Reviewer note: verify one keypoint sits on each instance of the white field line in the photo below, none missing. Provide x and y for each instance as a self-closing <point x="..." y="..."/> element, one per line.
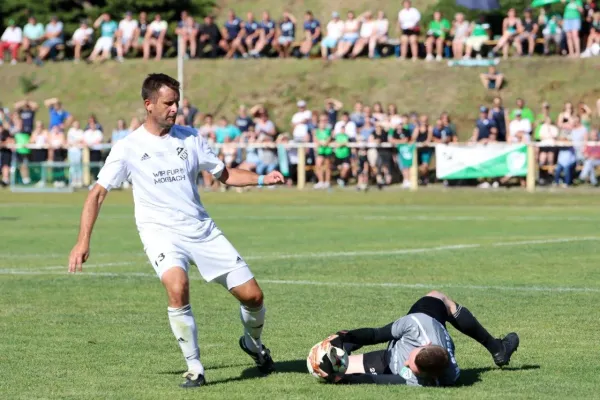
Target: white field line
<point x="339" y="254"/>
<point x="424" y="286"/>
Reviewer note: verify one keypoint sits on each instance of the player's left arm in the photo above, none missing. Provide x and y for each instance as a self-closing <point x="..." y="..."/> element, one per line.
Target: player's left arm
<point x="241" y="177"/>
<point x="387" y="379"/>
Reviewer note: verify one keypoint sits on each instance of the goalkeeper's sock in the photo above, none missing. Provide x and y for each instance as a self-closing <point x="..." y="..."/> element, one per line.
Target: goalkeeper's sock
<point x="253" y="320"/>
<point x="184" y="328"/>
<point x="467" y="324"/>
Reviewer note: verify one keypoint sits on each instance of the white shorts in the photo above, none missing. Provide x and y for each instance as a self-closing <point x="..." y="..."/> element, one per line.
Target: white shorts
<point x="215" y="257"/>
<point x="104" y="44"/>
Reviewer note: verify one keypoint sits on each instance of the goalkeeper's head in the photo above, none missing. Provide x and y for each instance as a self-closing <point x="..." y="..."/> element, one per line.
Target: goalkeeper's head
<point x="428" y="361"/>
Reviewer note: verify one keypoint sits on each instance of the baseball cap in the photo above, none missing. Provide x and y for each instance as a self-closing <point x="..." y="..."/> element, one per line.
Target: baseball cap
<point x="483" y="109"/>
<point x="301" y="103"/>
<point x="335" y="14"/>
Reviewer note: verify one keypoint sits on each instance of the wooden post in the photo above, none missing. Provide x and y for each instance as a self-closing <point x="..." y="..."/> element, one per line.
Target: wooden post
<point x="85" y="165"/>
<point x="301" y="167"/>
<point x="531" y="168"/>
<point x="414" y="171"/>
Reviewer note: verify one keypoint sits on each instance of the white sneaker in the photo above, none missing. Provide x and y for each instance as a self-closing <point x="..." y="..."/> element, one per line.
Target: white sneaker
<point x="484" y="185"/>
<point x="318" y="185"/>
<point x="495" y="185"/>
<point x="13" y="62"/>
<point x="438" y="58"/>
<point x="341" y="182"/>
<point x="429" y="57"/>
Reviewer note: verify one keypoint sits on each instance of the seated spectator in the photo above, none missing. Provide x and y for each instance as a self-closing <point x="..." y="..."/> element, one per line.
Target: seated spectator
<point x="248" y="37"/>
<point x="485" y="128"/>
<point x="312" y="33"/>
<point x="120" y="132"/>
<point x="592" y="160"/>
<point x="155" y="37"/>
<point x="127" y="35"/>
<point x="492" y="79"/>
<point x="210" y="35"/>
<point x="54" y="37"/>
<point x="82" y="37"/>
<point x="142" y="29"/>
<point x="265" y="36"/>
<point x="479" y="33"/>
<point x="593" y="42"/>
<point x="367" y="28"/>
<point x="551" y="31"/>
<point x="408" y="23"/>
<point x="436" y="36"/>
<point x="58" y="115"/>
<point x="529" y="30"/>
<point x="572" y="25"/>
<point x="511" y="26"/>
<point x="231" y="34"/>
<point x="187" y="30"/>
<point x="380" y="33"/>
<point x="33" y="36"/>
<point x="459" y="33"/>
<point x="548" y="135"/>
<point x="519" y="129"/>
<point x="104" y="44"/>
<point x="286" y="34"/>
<point x="11" y="40"/>
<point x="335" y="31"/>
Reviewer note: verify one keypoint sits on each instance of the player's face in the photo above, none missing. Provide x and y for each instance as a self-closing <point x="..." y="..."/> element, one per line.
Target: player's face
<point x="164" y="110"/>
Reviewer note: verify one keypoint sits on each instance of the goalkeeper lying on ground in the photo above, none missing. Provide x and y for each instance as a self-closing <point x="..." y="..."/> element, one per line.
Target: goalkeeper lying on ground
<point x="420" y="351"/>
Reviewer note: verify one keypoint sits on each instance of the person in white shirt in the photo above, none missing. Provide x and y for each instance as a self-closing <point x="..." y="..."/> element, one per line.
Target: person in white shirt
<point x="408" y="23"/>
<point x="11" y="40"/>
<point x="335" y="30"/>
<point x="163" y="161"/>
<point x="380" y="33"/>
<point x="346" y="125"/>
<point x="350" y="36"/>
<point x="75" y="144"/>
<point x="155" y="37"/>
<point x="367" y="29"/>
<point x="81" y="37"/>
<point x="519" y="129"/>
<point x="127" y="34"/>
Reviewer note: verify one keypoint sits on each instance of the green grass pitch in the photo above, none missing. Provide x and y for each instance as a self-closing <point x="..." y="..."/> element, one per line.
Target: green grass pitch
<point x="326" y="261"/>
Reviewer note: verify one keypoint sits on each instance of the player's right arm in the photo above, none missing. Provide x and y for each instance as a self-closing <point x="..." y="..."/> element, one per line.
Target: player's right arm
<point x="112" y="175"/>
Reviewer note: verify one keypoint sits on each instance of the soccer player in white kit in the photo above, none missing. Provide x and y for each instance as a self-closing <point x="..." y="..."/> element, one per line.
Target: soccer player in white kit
<point x="163" y="160"/>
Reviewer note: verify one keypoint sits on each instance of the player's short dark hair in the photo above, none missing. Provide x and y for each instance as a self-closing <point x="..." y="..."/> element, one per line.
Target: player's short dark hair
<point x="154" y="82"/>
<point x="432" y="360"/>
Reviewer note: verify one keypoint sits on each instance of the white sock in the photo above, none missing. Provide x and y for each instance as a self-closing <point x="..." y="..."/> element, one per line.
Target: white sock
<point x="184" y="328"/>
<point x="253" y="320"/>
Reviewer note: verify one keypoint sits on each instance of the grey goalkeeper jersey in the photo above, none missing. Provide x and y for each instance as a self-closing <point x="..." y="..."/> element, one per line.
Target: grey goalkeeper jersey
<point x="413" y="331"/>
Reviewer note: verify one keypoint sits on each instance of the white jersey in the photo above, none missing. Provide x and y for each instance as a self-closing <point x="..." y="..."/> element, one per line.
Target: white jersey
<point x="163" y="171"/>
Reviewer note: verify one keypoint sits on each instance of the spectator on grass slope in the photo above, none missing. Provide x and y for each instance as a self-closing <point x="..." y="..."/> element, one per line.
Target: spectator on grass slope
<point x="128" y="34"/>
<point x="54" y="36"/>
<point x="108" y="29"/>
<point x="312" y="33"/>
<point x="479" y="33"/>
<point x="367" y="30"/>
<point x="511" y="27"/>
<point x="528" y="32"/>
<point x="188" y="30"/>
<point x="551" y="31"/>
<point x="335" y="31"/>
<point x="231" y="33"/>
<point x="33" y="35"/>
<point x="210" y="35"/>
<point x="408" y="24"/>
<point x="82" y="37"/>
<point x="593" y="42"/>
<point x="266" y="34"/>
<point x="492" y="80"/>
<point x="380" y="33"/>
<point x="11" y="40"/>
<point x="459" y="33"/>
<point x="285" y="34"/>
<point x="436" y="35"/>
<point x="249" y="36"/>
<point x="155" y="37"/>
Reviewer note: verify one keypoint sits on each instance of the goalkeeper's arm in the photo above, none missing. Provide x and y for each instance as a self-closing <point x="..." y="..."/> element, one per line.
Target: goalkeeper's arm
<point x="363" y="337"/>
<point x="388" y="379"/>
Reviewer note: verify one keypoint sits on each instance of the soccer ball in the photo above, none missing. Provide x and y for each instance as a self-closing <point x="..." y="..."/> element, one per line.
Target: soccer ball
<point x="324" y="357"/>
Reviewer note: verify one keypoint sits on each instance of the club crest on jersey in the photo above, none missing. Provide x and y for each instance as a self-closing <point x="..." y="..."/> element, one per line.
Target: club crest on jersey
<point x="182" y="153"/>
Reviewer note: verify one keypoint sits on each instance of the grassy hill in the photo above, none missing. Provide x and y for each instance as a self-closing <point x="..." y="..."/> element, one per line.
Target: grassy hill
<point x="112" y="90"/>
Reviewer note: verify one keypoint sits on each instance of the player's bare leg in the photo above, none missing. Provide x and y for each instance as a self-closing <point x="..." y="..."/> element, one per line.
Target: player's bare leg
<point x="183" y="324"/>
<point x="252" y="312"/>
<point x="462" y="319"/>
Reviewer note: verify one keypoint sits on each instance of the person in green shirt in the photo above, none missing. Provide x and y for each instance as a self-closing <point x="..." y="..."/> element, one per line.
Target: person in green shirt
<point x="22" y="140"/>
<point x="104" y="44"/>
<point x="526" y="112"/>
<point x="572" y="25"/>
<point x="551" y="30"/>
<point x="436" y="35"/>
<point x="480" y="33"/>
<point x="322" y="139"/>
<point x="342" y="156"/>
<point x="540" y="119"/>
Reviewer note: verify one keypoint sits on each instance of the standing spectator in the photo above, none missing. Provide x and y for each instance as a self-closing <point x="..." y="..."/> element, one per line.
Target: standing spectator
<point x="526" y="112"/>
<point x="335" y="31"/>
<point x="448" y="125"/>
<point x="342" y="155"/>
<point x="579" y="138"/>
<point x="511" y="26"/>
<point x="592" y="160"/>
<point x="565" y="118"/>
<point x="540" y="119"/>
<point x="11" y="40"/>
<point x="26" y="110"/>
<point x="402" y="136"/>
<point x="459" y="33"/>
<point x="104" y="44"/>
<point x="188" y="30"/>
<point x="519" y="129"/>
<point x="436" y="36"/>
<point x="585" y="115"/>
<point x="23" y="153"/>
<point x="322" y="139"/>
<point x="75" y="144"/>
<point x="266" y="33"/>
<point x="442" y="134"/>
<point x="346" y="125"/>
<point x="286" y="34"/>
<point x="572" y="25"/>
<point x="357" y="116"/>
<point x="54" y="37"/>
<point x="529" y="30"/>
<point x="565" y="162"/>
<point x="312" y="33"/>
<point x="479" y="34"/>
<point x="155" y="37"/>
<point x="6" y="140"/>
<point x="492" y="79"/>
<point x="134" y="124"/>
<point x="332" y="107"/>
<point x="408" y="23"/>
<point x="226" y="130"/>
<point x="92" y="137"/>
<point x="485" y="128"/>
<point x="231" y="34"/>
<point x="266" y="136"/>
<point x="82" y="37"/>
<point x="209" y="35"/>
<point x="243" y="121"/>
<point x="423" y="134"/>
<point x="127" y="35"/>
<point x="547" y="135"/>
<point x="188" y="111"/>
<point x="120" y="132"/>
<point x="58" y="115"/>
<point x="500" y="117"/>
<point x="38" y="138"/>
<point x="33" y="35"/>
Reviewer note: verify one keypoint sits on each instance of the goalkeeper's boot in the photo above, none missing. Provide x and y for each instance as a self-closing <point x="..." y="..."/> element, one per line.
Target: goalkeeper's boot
<point x="509" y="345"/>
<point x="263" y="359"/>
<point x="192" y="380"/>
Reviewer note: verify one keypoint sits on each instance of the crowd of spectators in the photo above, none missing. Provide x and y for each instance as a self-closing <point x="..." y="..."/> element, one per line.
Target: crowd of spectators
<point x="365" y="143"/>
<point x="575" y="32"/>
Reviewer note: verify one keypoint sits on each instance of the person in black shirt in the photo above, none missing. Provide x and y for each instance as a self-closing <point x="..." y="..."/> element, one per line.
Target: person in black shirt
<point x="210" y="35"/>
<point x="26" y="110"/>
<point x="188" y="111"/>
<point x="386" y="156"/>
<point x="500" y="117"/>
<point x="485" y="128"/>
<point x="286" y="34"/>
<point x="332" y="107"/>
<point x="6" y="140"/>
